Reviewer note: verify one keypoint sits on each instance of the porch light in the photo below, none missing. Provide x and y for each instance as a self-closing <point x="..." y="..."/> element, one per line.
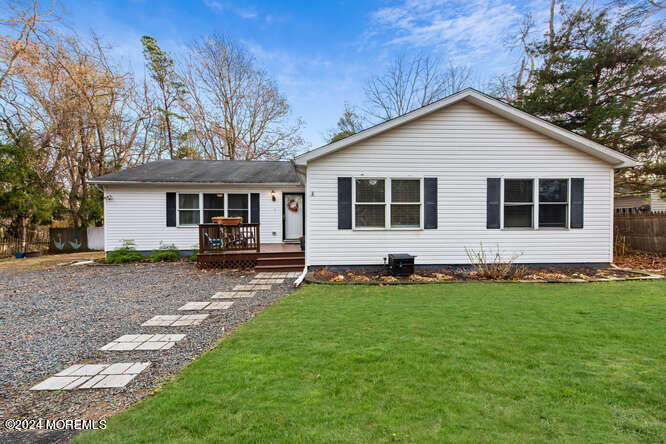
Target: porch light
<point x="273" y="195"/>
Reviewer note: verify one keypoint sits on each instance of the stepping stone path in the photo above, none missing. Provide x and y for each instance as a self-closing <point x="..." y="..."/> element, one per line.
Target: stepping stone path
<point x="207" y="305"/>
<point x="277" y="274"/>
<point x="233" y="294"/>
<point x="175" y="320"/>
<point x="84" y="376"/>
<point x="143" y="342"/>
<point x="251" y="287"/>
<point x="266" y="281"/>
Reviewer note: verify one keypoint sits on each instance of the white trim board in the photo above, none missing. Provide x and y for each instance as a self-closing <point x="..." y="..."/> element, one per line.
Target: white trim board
<point x="488" y="103"/>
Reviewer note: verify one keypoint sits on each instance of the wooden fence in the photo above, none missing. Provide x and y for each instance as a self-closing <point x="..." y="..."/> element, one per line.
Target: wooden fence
<point x="644" y="232"/>
<point x="37" y="241"/>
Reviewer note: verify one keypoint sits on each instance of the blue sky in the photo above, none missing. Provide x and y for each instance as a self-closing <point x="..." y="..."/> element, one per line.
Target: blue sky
<point x="320" y="53"/>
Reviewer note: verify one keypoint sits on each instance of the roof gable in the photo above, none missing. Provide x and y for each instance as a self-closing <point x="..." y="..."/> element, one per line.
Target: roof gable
<point x="488" y="103"/>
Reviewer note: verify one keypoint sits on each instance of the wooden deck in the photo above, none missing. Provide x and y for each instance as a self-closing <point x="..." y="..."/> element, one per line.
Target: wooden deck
<point x="270" y="257"/>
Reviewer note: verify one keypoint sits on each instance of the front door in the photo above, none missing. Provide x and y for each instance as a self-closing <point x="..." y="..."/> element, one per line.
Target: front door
<point x="293" y="216"/>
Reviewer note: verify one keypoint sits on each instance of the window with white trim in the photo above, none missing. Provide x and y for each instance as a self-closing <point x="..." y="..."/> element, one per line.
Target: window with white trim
<point x="191" y="208"/>
<point x="239" y="206"/>
<point x="405" y="203"/>
<point x="518" y="203"/>
<point x="370" y="203"/>
<point x="553" y="203"/>
<point x="213" y="206"/>
<point x="388" y="203"/>
<point x="188" y="209"/>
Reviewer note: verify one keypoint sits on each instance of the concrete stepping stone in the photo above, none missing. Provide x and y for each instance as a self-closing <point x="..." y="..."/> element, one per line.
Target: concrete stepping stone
<point x="84" y="376"/>
<point x="207" y="305"/>
<point x="175" y="320"/>
<point x="266" y="281"/>
<point x="143" y="342"/>
<point x="194" y="306"/>
<point x="251" y="287"/>
<point x="277" y="275"/>
<point x="234" y="294"/>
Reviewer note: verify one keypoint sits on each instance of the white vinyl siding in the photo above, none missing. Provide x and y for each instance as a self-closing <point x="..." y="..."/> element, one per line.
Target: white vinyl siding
<point x="461" y="145"/>
<point x="139" y="213"/>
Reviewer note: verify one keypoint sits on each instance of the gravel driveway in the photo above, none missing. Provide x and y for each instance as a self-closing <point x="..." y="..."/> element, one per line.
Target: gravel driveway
<point x="51" y="319"/>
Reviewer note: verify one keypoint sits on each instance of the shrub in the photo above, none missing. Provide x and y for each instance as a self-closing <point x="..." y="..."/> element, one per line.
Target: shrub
<point x="126" y="253"/>
<point x="195" y="253"/>
<point x="490" y="265"/>
<point x="166" y="253"/>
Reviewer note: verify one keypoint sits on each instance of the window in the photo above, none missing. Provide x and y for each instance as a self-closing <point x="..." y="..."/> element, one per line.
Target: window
<point x="213" y="206"/>
<point x="195" y="207"/>
<point x="385" y="203"/>
<point x="239" y="207"/>
<point x="405" y="203"/>
<point x="370" y="203"/>
<point x="553" y="202"/>
<point x="188" y="209"/>
<point x="518" y="203"/>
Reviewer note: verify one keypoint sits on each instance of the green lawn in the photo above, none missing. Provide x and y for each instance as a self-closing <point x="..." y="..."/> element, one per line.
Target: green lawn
<point x="454" y="362"/>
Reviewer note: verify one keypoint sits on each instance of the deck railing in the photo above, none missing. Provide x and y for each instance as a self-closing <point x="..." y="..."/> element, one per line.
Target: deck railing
<point x="216" y="238"/>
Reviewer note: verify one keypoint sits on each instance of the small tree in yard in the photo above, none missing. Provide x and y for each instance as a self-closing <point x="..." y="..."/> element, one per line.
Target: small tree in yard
<point x="26" y="198"/>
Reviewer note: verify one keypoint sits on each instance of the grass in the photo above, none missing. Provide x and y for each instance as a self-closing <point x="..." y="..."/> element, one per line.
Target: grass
<point x="455" y="362"/>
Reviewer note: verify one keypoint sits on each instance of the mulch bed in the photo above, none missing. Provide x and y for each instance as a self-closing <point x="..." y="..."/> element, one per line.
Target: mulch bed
<point x="651" y="262"/>
<point x="466" y="274"/>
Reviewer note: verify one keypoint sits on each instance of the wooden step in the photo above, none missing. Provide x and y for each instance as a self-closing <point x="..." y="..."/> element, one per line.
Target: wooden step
<point x="259" y="268"/>
<point x="281" y="260"/>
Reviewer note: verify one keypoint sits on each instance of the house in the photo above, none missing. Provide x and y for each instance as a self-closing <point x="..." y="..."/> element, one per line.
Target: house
<point x="465" y="170"/>
<point x="646" y="202"/>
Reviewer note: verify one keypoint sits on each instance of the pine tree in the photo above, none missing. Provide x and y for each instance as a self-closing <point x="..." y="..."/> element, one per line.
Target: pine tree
<point x="161" y="71"/>
<point x="602" y="74"/>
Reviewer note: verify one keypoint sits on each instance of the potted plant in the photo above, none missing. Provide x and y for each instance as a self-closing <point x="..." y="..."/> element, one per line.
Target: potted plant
<point x="227" y="221"/>
<point x="302" y="241"/>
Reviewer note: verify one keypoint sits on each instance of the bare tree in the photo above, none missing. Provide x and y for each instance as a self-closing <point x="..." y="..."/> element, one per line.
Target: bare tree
<point x="25" y="22"/>
<point x="234" y="108"/>
<point x="410" y="83"/>
<point x="82" y="109"/>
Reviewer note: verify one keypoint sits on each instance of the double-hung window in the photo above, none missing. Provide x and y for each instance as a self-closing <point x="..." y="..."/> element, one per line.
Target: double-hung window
<point x="553" y="203"/>
<point x="239" y="206"/>
<point x="213" y="206"/>
<point x="518" y="203"/>
<point x="386" y="203"/>
<point x="192" y="208"/>
<point x="188" y="209"/>
<point x="370" y="203"/>
<point x="405" y="203"/>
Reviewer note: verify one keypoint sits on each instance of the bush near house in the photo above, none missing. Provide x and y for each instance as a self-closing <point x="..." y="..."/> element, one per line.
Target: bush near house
<point x="126" y="253"/>
<point x="166" y="253"/>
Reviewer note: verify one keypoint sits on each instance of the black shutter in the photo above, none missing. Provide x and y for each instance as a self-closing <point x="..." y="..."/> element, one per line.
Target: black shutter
<point x="577" y="202"/>
<point x="254" y="208"/>
<point x="344" y="203"/>
<point x="171" y="209"/>
<point x="430" y="202"/>
<point x="493" y="196"/>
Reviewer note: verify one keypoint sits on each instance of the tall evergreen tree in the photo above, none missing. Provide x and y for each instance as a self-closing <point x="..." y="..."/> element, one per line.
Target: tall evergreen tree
<point x="349" y="124"/>
<point x="161" y="71"/>
<point x="602" y="74"/>
<point x="27" y="196"/>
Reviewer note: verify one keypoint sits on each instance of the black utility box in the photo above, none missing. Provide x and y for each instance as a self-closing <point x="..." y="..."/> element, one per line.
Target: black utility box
<point x="401" y="264"/>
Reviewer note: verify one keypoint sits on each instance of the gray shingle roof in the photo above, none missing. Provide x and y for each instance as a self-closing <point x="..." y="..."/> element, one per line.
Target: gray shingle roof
<point x="206" y="171"/>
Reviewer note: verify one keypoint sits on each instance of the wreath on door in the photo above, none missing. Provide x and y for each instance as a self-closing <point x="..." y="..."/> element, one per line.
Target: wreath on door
<point x="292" y="205"/>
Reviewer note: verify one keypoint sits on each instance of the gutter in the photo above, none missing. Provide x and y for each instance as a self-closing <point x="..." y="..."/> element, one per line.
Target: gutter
<point x="242" y="184"/>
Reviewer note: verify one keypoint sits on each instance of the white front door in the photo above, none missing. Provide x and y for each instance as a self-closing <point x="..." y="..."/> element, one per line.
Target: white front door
<point x="293" y="216"/>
